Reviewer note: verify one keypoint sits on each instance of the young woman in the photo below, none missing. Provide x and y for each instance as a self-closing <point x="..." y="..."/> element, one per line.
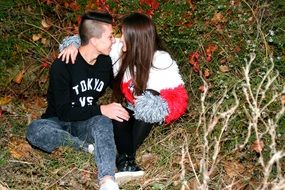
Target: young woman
<point x="147" y="79"/>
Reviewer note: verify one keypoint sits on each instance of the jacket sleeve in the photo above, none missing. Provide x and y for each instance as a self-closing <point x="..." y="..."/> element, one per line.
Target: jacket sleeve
<point x="177" y="101"/>
<point x="150" y="107"/>
<point x="70" y="40"/>
<point x="165" y="79"/>
<point x="166" y="107"/>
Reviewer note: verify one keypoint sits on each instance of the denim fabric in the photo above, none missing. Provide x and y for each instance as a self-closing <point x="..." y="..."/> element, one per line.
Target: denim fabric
<point x="49" y="134"/>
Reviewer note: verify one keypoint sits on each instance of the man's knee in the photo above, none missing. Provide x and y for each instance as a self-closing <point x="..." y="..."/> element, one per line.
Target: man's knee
<point x="36" y="130"/>
<point x="102" y="123"/>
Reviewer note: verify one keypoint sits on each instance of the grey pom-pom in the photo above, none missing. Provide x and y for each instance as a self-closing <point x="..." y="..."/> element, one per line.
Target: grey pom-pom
<point x="150" y="108"/>
<point x="68" y="41"/>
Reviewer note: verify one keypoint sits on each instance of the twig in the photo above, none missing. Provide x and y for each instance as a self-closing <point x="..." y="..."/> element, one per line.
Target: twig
<point x="61" y="178"/>
<point x="42" y="30"/>
<point x="182" y="175"/>
<point x="19" y="161"/>
<point x="191" y="163"/>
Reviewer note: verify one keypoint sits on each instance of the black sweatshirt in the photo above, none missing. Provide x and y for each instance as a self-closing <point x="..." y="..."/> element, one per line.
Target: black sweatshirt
<point x="74" y="89"/>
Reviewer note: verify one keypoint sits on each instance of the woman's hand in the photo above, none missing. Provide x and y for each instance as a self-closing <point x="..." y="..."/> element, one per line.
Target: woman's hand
<point x="68" y="53"/>
<point x="115" y="111"/>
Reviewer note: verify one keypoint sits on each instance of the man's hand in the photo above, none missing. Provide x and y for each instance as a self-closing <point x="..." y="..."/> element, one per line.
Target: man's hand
<point x="115" y="111"/>
<point x="68" y="53"/>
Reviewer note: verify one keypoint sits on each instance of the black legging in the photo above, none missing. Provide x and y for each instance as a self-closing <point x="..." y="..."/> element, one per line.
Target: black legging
<point x="129" y="135"/>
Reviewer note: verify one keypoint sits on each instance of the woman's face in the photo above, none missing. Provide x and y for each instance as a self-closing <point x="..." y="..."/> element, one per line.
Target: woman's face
<point x="122" y="40"/>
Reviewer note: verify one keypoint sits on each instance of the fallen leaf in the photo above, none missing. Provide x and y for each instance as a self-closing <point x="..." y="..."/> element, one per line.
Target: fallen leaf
<point x="223" y="61"/>
<point x="202" y="88"/>
<point x="74" y="6"/>
<point x="193" y="183"/>
<point x="5" y="100"/>
<point x="36" y="37"/>
<point x="86" y="176"/>
<point x="194" y="61"/>
<point x="235" y="3"/>
<point x="211" y="49"/>
<point x="190" y="2"/>
<point x="206" y="73"/>
<point x="224" y="68"/>
<point x="49" y="2"/>
<point x="233" y="168"/>
<point x="46" y="24"/>
<point x="44" y="41"/>
<point x="44" y="65"/>
<point x="19" y="148"/>
<point x="257" y="146"/>
<point x="220" y="28"/>
<point x="19" y="77"/>
<point x="237" y="49"/>
<point x="35" y="106"/>
<point x="218" y="18"/>
<point x="40" y="102"/>
<point x="148" y="159"/>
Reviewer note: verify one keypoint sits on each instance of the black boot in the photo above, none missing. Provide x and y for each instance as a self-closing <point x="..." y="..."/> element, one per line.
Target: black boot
<point x="127" y="169"/>
<point x="127" y="163"/>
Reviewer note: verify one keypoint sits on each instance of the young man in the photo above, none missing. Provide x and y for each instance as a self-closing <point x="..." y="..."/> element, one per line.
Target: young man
<point x="73" y="117"/>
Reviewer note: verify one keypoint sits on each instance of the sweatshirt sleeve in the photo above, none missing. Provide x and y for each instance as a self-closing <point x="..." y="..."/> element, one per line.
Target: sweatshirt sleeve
<point x="61" y="96"/>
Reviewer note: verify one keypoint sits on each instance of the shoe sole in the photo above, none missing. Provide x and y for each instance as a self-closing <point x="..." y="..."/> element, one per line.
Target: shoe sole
<point x="124" y="177"/>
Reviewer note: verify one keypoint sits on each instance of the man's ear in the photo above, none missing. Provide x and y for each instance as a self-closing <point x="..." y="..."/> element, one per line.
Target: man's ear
<point x="93" y="41"/>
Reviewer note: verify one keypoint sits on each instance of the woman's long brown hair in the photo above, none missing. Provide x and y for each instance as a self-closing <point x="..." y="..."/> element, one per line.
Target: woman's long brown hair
<point x="141" y="41"/>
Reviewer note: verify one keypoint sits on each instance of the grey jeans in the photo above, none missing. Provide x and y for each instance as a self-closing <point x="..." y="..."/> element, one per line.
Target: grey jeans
<point x="49" y="134"/>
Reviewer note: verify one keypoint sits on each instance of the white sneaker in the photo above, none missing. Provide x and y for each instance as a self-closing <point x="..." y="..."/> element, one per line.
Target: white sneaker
<point x="109" y="184"/>
<point x="91" y="149"/>
<point x="124" y="177"/>
<point x="88" y="148"/>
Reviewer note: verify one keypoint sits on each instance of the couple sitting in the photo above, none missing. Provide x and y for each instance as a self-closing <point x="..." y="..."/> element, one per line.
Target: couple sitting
<point x="145" y="81"/>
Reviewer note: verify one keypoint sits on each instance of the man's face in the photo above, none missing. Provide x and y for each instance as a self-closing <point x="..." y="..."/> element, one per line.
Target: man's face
<point x="104" y="44"/>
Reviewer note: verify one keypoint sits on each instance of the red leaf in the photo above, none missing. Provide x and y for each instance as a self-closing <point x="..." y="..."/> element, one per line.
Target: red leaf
<point x="188" y="24"/>
<point x="149" y="13"/>
<point x="207" y="73"/>
<point x="45" y="65"/>
<point x="209" y="51"/>
<point x="49" y="2"/>
<point x="202" y="88"/>
<point x="74" y="6"/>
<point x="78" y="19"/>
<point x="257" y="146"/>
<point x="153" y="4"/>
<point x="194" y="61"/>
